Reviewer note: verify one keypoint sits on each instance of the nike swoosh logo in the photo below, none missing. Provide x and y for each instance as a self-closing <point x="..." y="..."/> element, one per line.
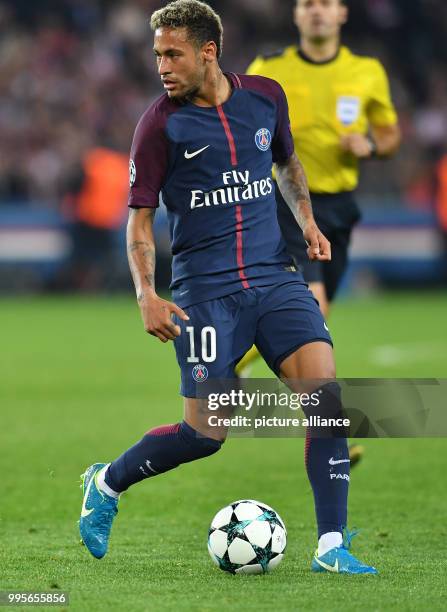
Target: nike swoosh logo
<point x="191" y="155"/>
<point x="329" y="568"/>
<point x="148" y="463"/>
<point x="326" y="327"/>
<point x="85" y="512"/>
<point x="332" y="461"/>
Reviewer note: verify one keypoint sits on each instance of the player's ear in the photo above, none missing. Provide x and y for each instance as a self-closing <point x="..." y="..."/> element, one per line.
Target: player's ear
<point x="209" y="51"/>
<point x="295" y="14"/>
<point x="344" y="13"/>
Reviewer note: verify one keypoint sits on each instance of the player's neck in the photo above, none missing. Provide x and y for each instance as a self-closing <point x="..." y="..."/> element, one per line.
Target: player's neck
<point x="215" y="90"/>
<point x="320" y="52"/>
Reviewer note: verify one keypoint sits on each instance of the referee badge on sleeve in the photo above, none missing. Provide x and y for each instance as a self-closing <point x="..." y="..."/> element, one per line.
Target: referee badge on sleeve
<point x="348" y="109"/>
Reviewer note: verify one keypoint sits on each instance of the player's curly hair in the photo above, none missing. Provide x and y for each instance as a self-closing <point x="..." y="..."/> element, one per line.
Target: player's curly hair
<point x="202" y="22"/>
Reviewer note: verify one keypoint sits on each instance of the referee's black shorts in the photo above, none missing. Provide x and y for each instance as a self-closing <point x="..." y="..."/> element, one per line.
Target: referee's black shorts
<point x="335" y="215"/>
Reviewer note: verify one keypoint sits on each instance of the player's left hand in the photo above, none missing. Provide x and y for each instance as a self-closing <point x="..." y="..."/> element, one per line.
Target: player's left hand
<point x="357" y="144"/>
<point x="319" y="246"/>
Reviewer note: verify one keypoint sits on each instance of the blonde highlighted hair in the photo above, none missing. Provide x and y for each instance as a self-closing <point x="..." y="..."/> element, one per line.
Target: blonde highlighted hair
<point x="202" y="22"/>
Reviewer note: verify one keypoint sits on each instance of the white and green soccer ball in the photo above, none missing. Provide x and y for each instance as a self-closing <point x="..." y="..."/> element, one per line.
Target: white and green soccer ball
<point x="247" y="537"/>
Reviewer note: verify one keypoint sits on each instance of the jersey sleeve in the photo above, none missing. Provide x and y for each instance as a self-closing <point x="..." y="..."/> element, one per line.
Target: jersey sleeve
<point x="148" y="161"/>
<point x="381" y="111"/>
<point x="282" y="145"/>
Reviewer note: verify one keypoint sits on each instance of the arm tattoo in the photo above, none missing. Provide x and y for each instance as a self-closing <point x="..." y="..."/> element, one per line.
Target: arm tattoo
<point x="141" y="250"/>
<point x="133" y="246"/>
<point x="292" y="183"/>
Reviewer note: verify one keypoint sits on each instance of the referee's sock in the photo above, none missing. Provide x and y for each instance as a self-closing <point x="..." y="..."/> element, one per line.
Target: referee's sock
<point x="327" y="464"/>
<point x="160" y="450"/>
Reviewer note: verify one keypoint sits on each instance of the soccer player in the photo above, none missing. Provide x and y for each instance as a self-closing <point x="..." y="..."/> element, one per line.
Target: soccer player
<point x="208" y="145"/>
<point x="341" y="112"/>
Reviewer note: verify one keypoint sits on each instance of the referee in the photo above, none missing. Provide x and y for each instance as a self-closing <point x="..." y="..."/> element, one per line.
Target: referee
<point x="340" y="112"/>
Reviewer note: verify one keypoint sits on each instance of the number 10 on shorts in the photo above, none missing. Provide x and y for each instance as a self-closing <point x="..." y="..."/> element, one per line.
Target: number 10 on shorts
<point x="208" y="345"/>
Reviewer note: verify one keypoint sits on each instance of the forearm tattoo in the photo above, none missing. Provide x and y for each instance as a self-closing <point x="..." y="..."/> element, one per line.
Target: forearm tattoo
<point x="141" y="251"/>
<point x="292" y="183"/>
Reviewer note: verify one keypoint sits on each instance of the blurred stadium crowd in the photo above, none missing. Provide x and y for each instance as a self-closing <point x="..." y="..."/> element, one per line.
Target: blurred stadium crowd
<point x="77" y="73"/>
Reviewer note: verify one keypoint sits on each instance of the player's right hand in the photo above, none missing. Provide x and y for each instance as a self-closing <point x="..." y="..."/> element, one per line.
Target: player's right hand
<point x="157" y="317"/>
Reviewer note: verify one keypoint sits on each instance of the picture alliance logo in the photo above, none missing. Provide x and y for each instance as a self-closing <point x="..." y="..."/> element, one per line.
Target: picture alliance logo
<point x="200" y="373"/>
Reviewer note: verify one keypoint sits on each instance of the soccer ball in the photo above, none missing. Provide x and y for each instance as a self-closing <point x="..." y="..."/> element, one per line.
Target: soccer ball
<point x="247" y="537"/>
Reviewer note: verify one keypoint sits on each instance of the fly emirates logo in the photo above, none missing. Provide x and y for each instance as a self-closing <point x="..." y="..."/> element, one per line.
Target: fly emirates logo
<point x="238" y="188"/>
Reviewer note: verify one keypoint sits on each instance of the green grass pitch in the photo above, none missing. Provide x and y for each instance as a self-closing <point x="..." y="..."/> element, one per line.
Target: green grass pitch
<point x="80" y="382"/>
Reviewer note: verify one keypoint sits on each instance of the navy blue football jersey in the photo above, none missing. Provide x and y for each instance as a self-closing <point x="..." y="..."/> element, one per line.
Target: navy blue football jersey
<point x="213" y="166"/>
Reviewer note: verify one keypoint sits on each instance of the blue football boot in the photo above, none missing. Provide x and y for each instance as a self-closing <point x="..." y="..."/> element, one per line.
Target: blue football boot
<point x="340" y="561"/>
<point x="97" y="513"/>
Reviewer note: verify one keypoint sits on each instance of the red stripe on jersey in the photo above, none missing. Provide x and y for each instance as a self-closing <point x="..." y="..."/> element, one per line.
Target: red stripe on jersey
<point x="229" y="135"/>
<point x="238" y="208"/>
<point x="240" y="259"/>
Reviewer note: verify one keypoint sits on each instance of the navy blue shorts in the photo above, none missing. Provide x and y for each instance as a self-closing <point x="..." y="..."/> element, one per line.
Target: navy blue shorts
<point x="278" y="319"/>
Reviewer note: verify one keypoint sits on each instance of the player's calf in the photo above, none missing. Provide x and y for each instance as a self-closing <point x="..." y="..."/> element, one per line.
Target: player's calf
<point x="160" y="450"/>
<point x="327" y="464"/>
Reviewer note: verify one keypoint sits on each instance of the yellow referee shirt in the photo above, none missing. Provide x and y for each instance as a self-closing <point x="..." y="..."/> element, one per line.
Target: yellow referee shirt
<point x="326" y="101"/>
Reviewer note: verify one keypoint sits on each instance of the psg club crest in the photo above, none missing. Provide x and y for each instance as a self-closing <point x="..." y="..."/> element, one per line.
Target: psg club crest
<point x="132" y="172"/>
<point x="263" y="139"/>
<point x="200" y="373"/>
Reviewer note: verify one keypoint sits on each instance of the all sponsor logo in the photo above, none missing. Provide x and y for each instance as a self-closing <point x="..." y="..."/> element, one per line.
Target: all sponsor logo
<point x="189" y="155"/>
<point x="333" y="461"/>
<point x="200" y="373"/>
<point x="263" y="139"/>
<point x="132" y="172"/>
<point x="340" y="477"/>
<point x="348" y="109"/>
<point x="236" y="187"/>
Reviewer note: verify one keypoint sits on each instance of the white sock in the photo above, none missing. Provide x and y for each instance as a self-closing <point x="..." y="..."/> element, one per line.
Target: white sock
<point x="103" y="485"/>
<point x="332" y="539"/>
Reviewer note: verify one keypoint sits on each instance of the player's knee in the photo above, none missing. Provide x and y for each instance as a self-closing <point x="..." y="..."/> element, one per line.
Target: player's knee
<point x="329" y="407"/>
<point x="329" y="404"/>
<point x="327" y="370"/>
<point x="330" y="372"/>
<point x="198" y="417"/>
